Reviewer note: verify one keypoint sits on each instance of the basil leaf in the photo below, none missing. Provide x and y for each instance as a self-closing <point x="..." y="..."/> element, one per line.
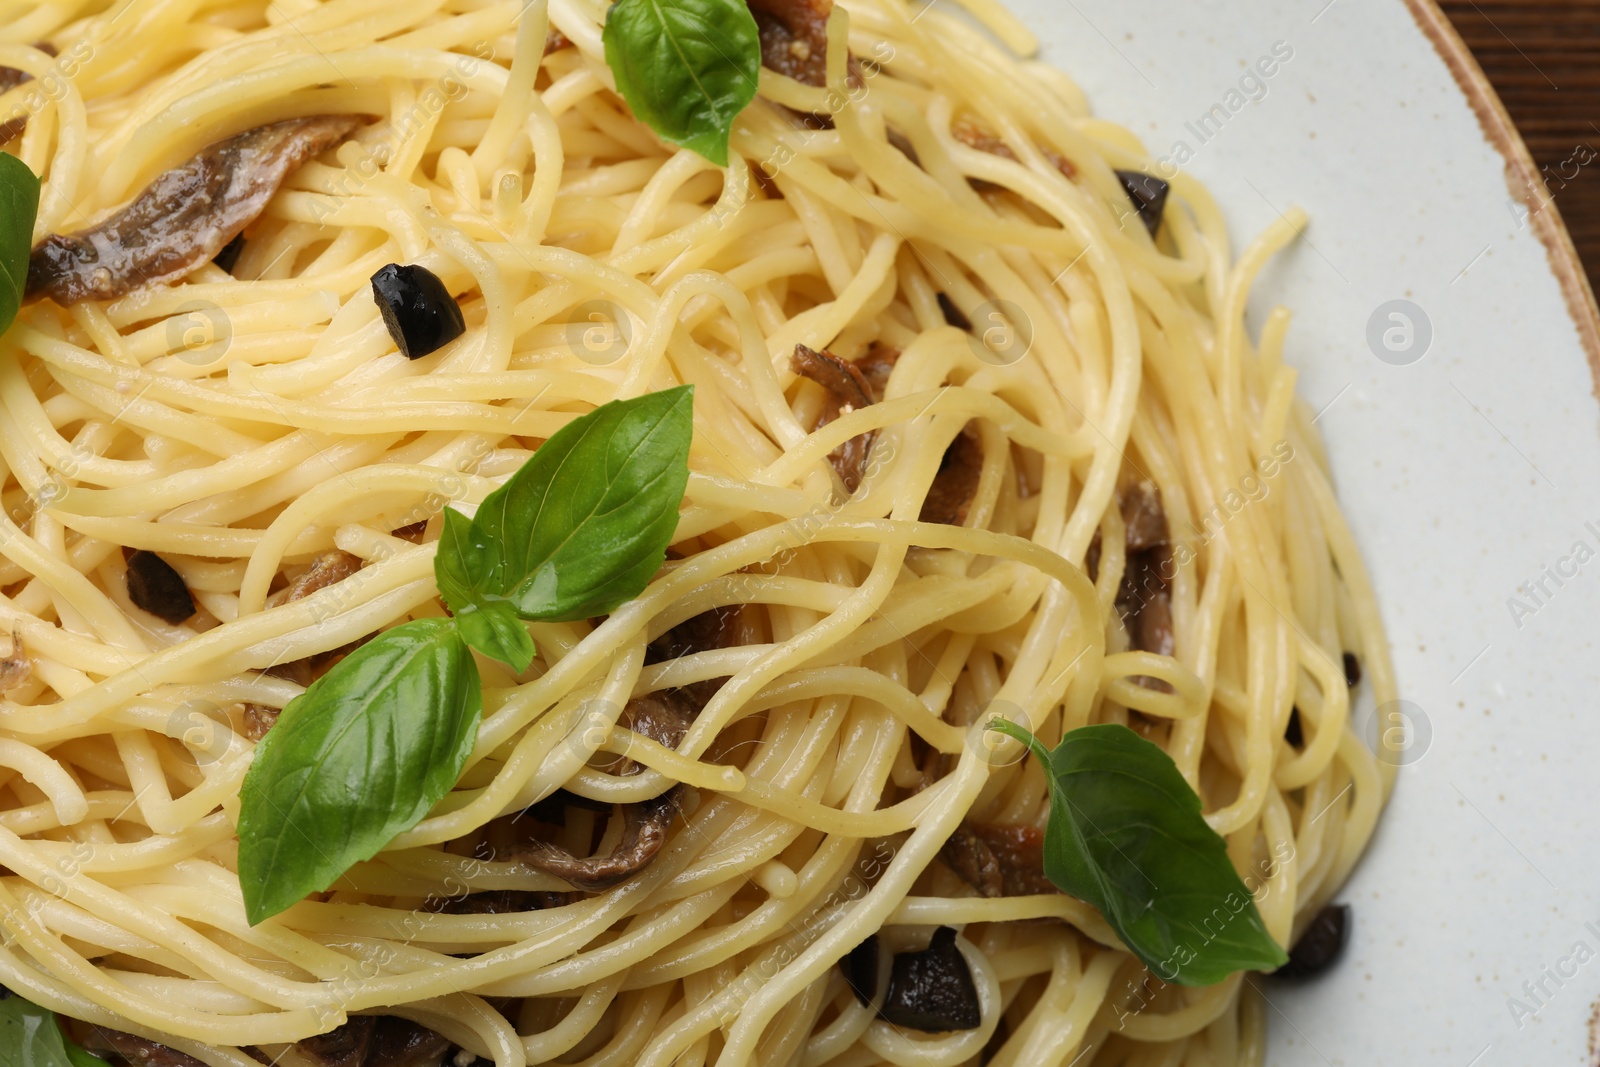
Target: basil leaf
<point x="30" y="1036"/>
<point x="1126" y="835"/>
<point x="362" y="755"/>
<point x="494" y="629"/>
<point x="686" y="67"/>
<point x="19" y="204"/>
<point x="584" y="524"/>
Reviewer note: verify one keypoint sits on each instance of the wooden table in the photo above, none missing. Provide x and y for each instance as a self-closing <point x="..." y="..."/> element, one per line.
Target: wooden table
<point x="1544" y="61"/>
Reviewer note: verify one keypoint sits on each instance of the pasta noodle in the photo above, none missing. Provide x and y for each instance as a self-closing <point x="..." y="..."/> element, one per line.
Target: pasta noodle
<point x="243" y="422"/>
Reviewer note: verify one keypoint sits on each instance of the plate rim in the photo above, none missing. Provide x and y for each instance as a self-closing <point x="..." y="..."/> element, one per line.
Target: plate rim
<point x="1521" y="173"/>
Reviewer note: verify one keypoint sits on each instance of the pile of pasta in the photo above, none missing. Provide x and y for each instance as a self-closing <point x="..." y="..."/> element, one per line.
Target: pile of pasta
<point x="941" y="209"/>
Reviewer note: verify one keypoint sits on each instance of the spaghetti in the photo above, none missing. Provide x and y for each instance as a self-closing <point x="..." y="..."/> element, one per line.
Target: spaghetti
<point x="1071" y="489"/>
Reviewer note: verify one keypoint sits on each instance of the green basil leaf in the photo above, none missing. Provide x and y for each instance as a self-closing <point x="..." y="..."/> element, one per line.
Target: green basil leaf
<point x="31" y="1037"/>
<point x="461" y="565"/>
<point x="585" y="523"/>
<point x="686" y="67"/>
<point x="494" y="629"/>
<point x="19" y="204"/>
<point x="1126" y="834"/>
<point x="362" y="755"/>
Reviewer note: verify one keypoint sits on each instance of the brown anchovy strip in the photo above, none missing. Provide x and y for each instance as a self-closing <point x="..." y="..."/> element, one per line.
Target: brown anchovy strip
<point x="138" y="1051"/>
<point x="956" y="483"/>
<point x="999" y="860"/>
<point x="1143" y="599"/>
<point x="184" y="217"/>
<point x="848" y="389"/>
<point x="346" y="1046"/>
<point x="794" y="37"/>
<point x="971" y="134"/>
<point x="325" y="570"/>
<point x="856" y="385"/>
<point x="664" y="718"/>
<point x="717" y="628"/>
<point x="258" y="719"/>
<point x="398" y="1042"/>
<point x="10" y="78"/>
<point x="950" y="496"/>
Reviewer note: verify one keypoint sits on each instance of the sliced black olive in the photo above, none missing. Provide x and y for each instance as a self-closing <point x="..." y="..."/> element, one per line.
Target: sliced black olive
<point x="860" y="967"/>
<point x="155" y="587"/>
<point x="932" y="991"/>
<point x="1320" y="945"/>
<point x="1352" y="670"/>
<point x="1293" y="733"/>
<point x="230" y="253"/>
<point x="954" y="315"/>
<point x="419" y="311"/>
<point x="1149" y="196"/>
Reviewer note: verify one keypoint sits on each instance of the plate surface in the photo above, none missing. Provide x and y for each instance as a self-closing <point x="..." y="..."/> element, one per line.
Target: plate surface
<point x="1466" y="469"/>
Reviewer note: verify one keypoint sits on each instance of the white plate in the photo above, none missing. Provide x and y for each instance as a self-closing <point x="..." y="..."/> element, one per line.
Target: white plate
<point x="1465" y="473"/>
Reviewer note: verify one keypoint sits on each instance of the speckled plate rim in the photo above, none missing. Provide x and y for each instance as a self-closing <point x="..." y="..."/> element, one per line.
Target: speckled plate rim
<point x="1522" y="175"/>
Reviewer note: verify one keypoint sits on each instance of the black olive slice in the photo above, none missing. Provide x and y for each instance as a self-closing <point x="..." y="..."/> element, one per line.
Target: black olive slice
<point x="954" y="315"/>
<point x="229" y="256"/>
<point x="1320" y="945"/>
<point x="419" y="311"/>
<point x="155" y="587"/>
<point x="932" y="991"/>
<point x="1149" y="196"/>
<point x="860" y="967"/>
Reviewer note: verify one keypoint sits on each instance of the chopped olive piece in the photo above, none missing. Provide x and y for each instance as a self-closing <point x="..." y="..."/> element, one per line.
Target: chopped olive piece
<point x="155" y="587"/>
<point x="419" y="311"/>
<point x="1320" y="945"/>
<point x="1352" y="670"/>
<point x="954" y="315"/>
<point x="860" y="967"/>
<point x="1149" y="196"/>
<point x="932" y="990"/>
<point x="1293" y="733"/>
<point x="229" y="256"/>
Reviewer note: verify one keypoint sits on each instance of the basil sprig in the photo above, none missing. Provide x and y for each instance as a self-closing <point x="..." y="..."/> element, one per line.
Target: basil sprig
<point x="367" y="751"/>
<point x="19" y="203"/>
<point x="578" y="530"/>
<point x="31" y="1037"/>
<point x="1126" y="835"/>
<point x="361" y="756"/>
<point x="686" y="67"/>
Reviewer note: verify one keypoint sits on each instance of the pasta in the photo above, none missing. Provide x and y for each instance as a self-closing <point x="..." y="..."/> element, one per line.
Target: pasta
<point x="1071" y="489"/>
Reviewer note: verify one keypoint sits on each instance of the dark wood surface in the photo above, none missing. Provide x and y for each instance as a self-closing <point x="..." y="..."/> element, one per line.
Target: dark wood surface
<point x="1544" y="61"/>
